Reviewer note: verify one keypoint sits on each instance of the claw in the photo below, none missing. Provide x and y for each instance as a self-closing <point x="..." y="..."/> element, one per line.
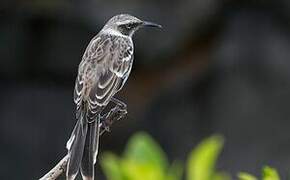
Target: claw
<point x="115" y="114"/>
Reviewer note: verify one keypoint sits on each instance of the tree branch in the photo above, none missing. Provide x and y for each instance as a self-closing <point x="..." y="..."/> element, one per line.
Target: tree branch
<point x="107" y="120"/>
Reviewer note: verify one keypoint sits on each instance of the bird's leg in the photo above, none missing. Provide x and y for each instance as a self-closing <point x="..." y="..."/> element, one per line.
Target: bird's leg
<point x="116" y="113"/>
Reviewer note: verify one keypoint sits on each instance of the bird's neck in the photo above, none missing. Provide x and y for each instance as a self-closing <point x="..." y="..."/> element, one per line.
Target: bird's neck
<point x="115" y="33"/>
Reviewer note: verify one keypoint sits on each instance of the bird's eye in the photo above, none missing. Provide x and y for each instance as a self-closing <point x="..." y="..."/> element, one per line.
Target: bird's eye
<point x="128" y="26"/>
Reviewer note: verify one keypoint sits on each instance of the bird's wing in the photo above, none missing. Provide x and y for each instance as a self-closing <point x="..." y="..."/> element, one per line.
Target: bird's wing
<point x="95" y="50"/>
<point x="105" y="66"/>
<point x="115" y="68"/>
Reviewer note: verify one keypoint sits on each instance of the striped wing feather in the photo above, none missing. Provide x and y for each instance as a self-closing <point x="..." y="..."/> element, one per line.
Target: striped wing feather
<point x="105" y="65"/>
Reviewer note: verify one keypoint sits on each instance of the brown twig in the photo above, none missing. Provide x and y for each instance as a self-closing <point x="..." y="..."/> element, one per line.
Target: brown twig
<point x="114" y="115"/>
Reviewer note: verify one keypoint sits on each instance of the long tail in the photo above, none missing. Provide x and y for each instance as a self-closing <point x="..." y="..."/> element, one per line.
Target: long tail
<point x="83" y="148"/>
<point x="90" y="150"/>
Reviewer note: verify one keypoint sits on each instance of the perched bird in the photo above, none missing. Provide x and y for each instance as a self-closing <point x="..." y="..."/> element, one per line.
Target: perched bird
<point x="104" y="69"/>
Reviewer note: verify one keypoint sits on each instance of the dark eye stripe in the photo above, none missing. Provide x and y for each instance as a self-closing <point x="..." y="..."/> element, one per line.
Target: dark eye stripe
<point x="129" y="26"/>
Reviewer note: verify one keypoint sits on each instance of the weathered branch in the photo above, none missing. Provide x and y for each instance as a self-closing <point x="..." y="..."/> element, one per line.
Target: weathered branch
<point x="108" y="119"/>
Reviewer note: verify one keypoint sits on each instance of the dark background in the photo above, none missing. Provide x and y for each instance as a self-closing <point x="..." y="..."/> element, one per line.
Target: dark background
<point x="216" y="67"/>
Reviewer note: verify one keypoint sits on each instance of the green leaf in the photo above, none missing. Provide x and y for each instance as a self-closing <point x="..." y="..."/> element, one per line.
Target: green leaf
<point x="221" y="176"/>
<point x="141" y="171"/>
<point x="269" y="173"/>
<point x="202" y="159"/>
<point x="246" y="176"/>
<point x="143" y="149"/>
<point x="175" y="171"/>
<point x="111" y="166"/>
<point x="144" y="159"/>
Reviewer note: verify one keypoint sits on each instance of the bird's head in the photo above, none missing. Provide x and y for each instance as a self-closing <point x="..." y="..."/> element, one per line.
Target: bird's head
<point x="126" y="24"/>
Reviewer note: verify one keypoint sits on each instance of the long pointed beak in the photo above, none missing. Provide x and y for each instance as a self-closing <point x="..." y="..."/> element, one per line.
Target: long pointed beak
<point x="151" y="24"/>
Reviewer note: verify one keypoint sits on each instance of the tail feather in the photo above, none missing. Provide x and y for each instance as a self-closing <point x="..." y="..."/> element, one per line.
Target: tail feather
<point x="96" y="146"/>
<point x="75" y="147"/>
<point x="89" y="154"/>
<point x="83" y="148"/>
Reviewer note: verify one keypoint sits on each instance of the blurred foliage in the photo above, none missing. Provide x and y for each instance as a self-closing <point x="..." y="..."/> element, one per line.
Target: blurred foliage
<point x="201" y="164"/>
<point x="144" y="159"/>
<point x="270" y="174"/>
<point x="246" y="176"/>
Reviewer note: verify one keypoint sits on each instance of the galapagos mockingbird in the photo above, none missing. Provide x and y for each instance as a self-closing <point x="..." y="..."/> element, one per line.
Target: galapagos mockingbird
<point x="104" y="69"/>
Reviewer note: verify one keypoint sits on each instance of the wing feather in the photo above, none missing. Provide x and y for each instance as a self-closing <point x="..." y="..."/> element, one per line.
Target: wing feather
<point x="104" y="67"/>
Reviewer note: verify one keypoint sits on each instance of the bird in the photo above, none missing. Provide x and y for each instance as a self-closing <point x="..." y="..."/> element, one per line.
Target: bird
<point x="102" y="72"/>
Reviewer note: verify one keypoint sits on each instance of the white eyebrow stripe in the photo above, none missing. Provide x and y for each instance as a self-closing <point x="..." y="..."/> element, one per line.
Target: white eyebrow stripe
<point x="123" y="22"/>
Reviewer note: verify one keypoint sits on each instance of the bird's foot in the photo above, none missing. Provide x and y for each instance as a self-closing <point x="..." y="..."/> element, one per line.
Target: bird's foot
<point x="114" y="114"/>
